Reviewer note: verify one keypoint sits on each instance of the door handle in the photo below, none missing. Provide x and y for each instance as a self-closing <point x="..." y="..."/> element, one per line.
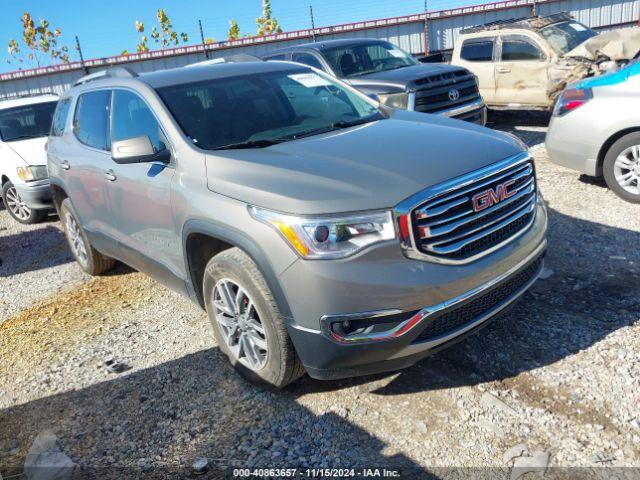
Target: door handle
<point x="65" y="165"/>
<point x="503" y="69"/>
<point x="109" y="175"/>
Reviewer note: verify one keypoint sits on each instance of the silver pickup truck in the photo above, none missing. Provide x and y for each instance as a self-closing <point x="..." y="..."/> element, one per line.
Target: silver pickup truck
<point x="390" y="75"/>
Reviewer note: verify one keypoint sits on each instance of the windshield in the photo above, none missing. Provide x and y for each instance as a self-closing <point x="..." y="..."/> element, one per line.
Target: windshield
<point x="26" y="121"/>
<point x="253" y="110"/>
<point x="565" y="36"/>
<point x="357" y="60"/>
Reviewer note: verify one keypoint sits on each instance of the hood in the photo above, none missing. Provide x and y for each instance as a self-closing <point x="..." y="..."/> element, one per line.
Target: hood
<point x="402" y="78"/>
<point x="372" y="166"/>
<point x="621" y="44"/>
<point x="30" y="150"/>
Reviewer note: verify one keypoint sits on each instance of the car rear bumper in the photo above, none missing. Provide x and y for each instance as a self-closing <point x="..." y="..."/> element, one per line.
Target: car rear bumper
<point x="432" y="306"/>
<point x="36" y="197"/>
<point x="568" y="146"/>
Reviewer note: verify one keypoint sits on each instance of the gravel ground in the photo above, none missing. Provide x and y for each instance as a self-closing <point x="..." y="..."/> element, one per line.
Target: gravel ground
<point x="558" y="378"/>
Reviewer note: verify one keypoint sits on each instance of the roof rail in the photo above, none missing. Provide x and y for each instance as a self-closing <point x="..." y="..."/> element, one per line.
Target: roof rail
<point x="120" y="72"/>
<point x="238" y="58"/>
<point x="521" y="22"/>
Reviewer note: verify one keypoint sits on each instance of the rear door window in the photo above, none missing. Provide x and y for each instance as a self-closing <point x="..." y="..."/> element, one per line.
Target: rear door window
<point x="519" y="49"/>
<point x="477" y="50"/>
<point x="91" y="119"/>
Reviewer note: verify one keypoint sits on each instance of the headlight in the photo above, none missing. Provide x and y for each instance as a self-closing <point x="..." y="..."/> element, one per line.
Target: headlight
<point x="32" y="173"/>
<point x="329" y="236"/>
<point x="395" y="100"/>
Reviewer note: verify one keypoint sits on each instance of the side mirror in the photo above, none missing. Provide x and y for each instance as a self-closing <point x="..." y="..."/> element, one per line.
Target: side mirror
<point x="137" y="150"/>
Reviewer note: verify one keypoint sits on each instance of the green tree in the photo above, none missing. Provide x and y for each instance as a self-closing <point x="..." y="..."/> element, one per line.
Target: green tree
<point x="40" y="42"/>
<point x="267" y="24"/>
<point x="163" y="34"/>
<point x="234" y="30"/>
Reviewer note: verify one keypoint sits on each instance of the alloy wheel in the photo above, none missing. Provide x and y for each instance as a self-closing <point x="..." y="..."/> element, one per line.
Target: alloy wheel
<point x="626" y="169"/>
<point x="240" y="324"/>
<point x="75" y="239"/>
<point x="16" y="205"/>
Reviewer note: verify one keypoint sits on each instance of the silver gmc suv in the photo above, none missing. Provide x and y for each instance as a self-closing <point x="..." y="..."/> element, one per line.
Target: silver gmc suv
<point x="321" y="231"/>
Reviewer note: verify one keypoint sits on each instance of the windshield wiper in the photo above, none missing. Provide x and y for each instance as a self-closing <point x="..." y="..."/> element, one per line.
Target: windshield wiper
<point x="251" y="144"/>
<point x="337" y="126"/>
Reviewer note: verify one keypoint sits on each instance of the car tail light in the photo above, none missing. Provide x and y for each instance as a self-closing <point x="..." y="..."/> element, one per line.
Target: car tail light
<point x="571" y="99"/>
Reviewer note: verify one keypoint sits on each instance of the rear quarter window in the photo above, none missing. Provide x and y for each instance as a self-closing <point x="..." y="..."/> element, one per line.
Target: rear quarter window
<point x="477" y="50"/>
<point x="60" y="117"/>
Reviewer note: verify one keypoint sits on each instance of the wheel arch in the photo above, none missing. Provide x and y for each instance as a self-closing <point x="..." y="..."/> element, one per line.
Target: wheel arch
<point x="609" y="142"/>
<point x="201" y="240"/>
<point x="58" y="194"/>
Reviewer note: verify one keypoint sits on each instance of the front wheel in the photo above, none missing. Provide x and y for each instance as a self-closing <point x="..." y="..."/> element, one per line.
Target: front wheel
<point x="17" y="208"/>
<point x="621" y="167"/>
<point x="89" y="259"/>
<point x="247" y="323"/>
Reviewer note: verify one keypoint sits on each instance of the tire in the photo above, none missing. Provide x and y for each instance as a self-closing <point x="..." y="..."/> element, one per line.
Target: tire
<point x="622" y="161"/>
<point x="17" y="209"/>
<point x="279" y="365"/>
<point x="89" y="259"/>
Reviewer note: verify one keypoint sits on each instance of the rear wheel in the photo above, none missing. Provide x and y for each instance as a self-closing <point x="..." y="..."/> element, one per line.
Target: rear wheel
<point x="247" y="323"/>
<point x="621" y="167"/>
<point x="17" y="208"/>
<point x="89" y="259"/>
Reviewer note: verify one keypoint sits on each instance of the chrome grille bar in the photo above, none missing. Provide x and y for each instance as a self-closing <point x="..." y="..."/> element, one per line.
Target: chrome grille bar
<point x="466" y="218"/>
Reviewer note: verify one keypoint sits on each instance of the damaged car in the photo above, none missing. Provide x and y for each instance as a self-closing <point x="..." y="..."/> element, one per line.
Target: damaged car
<point x="526" y="63"/>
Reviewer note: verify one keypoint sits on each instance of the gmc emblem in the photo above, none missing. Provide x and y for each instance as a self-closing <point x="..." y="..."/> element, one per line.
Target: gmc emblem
<point x="490" y="197"/>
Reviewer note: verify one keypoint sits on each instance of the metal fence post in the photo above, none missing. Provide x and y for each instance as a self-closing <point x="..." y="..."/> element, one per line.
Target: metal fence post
<point x="426" y="29"/>
<point x="204" y="44"/>
<point x="313" y="23"/>
<point x="84" y="67"/>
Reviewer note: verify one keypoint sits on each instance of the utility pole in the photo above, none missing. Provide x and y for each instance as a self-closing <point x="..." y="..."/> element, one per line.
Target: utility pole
<point x="313" y="23"/>
<point x="84" y="67"/>
<point x="426" y="29"/>
<point x="204" y="44"/>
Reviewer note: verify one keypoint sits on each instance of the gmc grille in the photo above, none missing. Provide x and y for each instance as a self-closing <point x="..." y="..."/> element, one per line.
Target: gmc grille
<point x="471" y="218"/>
<point x="432" y="94"/>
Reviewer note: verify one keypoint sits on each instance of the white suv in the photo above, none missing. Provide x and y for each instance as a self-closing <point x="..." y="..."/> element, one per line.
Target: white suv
<point x="24" y="127"/>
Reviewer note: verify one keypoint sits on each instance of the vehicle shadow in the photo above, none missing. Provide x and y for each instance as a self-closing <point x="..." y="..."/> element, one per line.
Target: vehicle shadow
<point x="192" y="407"/>
<point x="528" y="126"/>
<point x="33" y="250"/>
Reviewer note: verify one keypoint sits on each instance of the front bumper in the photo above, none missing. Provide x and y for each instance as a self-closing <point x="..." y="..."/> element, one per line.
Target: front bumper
<point x="400" y="289"/>
<point x="37" y="195"/>
<point x="475" y="112"/>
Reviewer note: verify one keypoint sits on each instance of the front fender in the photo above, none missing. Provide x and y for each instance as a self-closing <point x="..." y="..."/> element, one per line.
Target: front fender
<point x="239" y="239"/>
